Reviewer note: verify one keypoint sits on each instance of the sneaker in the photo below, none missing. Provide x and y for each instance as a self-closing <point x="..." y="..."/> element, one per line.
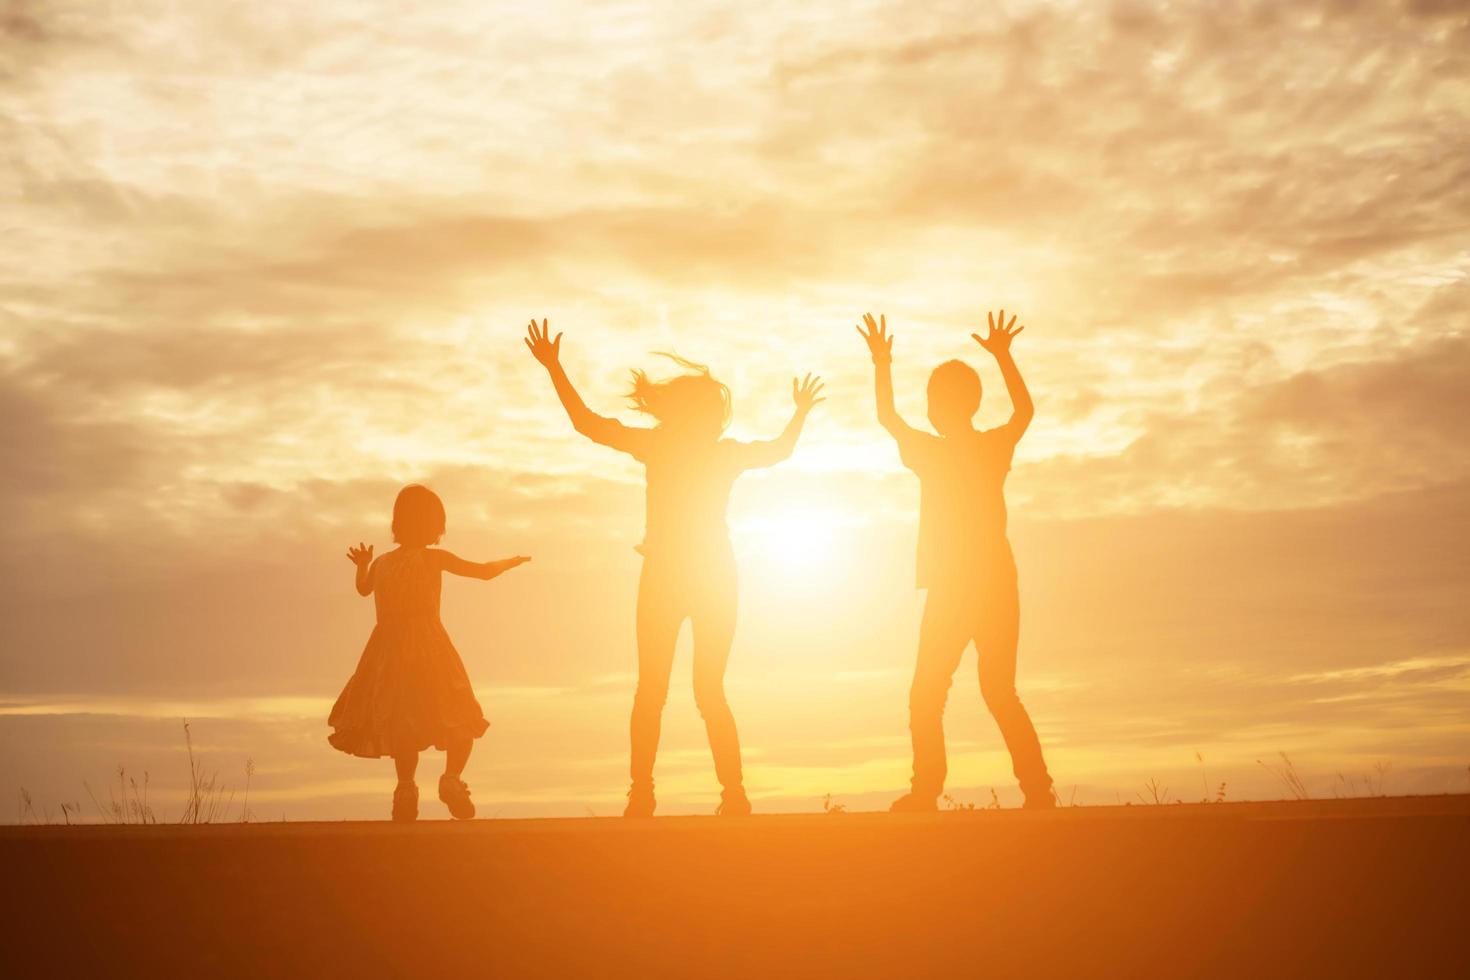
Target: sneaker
<point x="913" y="803"/>
<point x="455" y="793"/>
<point x="640" y="802"/>
<point x="406" y="803"/>
<point x="733" y="803"/>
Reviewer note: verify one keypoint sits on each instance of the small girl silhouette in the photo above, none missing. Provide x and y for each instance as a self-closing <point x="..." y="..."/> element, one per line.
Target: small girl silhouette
<point x="410" y="690"/>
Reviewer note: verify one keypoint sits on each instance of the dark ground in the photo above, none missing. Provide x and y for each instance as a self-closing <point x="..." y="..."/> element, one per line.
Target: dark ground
<point x="1349" y="888"/>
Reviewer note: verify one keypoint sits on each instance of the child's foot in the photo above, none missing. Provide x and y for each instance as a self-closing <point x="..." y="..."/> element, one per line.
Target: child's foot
<point x="640" y="802"/>
<point x="455" y="793"/>
<point x="912" y="803"/>
<point x="406" y="803"/>
<point x="734" y="803"/>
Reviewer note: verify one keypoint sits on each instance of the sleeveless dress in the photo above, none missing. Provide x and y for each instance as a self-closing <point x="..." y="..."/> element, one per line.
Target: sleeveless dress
<point x="410" y="690"/>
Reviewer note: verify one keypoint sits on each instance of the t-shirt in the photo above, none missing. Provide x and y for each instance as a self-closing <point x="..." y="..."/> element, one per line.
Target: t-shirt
<point x="688" y="493"/>
<point x="962" y="505"/>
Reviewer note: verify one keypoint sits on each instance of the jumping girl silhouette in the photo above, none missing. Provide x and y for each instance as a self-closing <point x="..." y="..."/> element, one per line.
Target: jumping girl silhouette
<point x="688" y="563"/>
<point x="410" y="690"/>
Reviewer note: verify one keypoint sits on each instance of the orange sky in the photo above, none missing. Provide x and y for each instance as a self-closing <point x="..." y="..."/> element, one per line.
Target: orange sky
<point x="270" y="262"/>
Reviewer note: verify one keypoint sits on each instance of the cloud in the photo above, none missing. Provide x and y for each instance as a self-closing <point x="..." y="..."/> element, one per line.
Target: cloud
<point x="1316" y="436"/>
<point x="272" y="264"/>
<point x="1218" y="154"/>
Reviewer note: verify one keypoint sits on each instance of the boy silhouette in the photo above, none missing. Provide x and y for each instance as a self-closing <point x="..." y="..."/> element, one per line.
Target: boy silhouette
<point x="964" y="560"/>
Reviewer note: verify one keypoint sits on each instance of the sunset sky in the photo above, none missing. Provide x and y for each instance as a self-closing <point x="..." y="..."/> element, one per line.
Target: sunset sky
<point x="266" y="263"/>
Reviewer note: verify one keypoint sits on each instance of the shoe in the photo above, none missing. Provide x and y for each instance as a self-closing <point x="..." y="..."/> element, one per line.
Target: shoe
<point x="733" y="803"/>
<point x="1040" y="801"/>
<point x="912" y="803"/>
<point x="405" y="803"/>
<point x="640" y="801"/>
<point x="455" y="793"/>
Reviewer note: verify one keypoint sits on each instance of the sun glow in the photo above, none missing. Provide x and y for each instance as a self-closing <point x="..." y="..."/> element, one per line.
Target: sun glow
<point x="796" y="538"/>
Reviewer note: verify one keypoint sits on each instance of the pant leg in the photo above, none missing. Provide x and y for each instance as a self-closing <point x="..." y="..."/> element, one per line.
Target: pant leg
<point x="943" y="635"/>
<point x="996" y="637"/>
<point x="713" y="617"/>
<point x="660" y="614"/>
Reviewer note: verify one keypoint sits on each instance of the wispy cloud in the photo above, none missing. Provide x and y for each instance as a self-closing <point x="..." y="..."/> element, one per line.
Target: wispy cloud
<point x="270" y="263"/>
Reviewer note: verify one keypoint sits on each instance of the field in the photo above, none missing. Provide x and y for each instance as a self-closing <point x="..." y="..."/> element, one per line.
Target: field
<point x="1366" y="887"/>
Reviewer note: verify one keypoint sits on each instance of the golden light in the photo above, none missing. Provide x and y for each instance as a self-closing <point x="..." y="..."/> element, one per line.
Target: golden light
<point x="803" y="539"/>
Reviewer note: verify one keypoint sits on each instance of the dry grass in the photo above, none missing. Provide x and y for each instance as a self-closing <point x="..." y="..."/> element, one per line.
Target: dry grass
<point x="209" y="799"/>
<point x="127" y="800"/>
<point x="1219" y="795"/>
<point x="207" y="802"/>
<point x="1153" y="794"/>
<point x="1367" y="784"/>
<point x="26" y="812"/>
<point x="952" y="804"/>
<point x="1286" y="772"/>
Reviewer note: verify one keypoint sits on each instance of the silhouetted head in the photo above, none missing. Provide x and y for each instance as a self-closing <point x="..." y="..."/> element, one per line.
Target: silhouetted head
<point x="693" y="405"/>
<point x="418" y="517"/>
<point x="954" y="397"/>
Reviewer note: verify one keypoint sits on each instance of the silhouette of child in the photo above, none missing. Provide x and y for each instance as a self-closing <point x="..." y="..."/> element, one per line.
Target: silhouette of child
<point x="965" y="560"/>
<point x="688" y="563"/>
<point x="410" y="690"/>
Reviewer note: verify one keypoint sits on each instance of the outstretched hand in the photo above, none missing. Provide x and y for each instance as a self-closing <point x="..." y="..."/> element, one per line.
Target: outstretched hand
<point x="880" y="341"/>
<point x="510" y="563"/>
<point x="1001" y="334"/>
<point x="806" y="392"/>
<point x="361" y="556"/>
<point x="541" y="346"/>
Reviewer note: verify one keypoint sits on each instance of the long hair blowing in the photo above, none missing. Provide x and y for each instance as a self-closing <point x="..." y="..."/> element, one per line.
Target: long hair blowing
<point x="689" y="398"/>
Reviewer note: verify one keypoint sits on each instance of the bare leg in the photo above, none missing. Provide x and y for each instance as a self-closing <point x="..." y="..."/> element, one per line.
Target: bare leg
<point x="456" y="755"/>
<point x="406" y="793"/>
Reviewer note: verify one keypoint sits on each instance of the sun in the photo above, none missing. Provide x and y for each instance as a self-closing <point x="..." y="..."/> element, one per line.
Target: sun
<point x="805" y="539"/>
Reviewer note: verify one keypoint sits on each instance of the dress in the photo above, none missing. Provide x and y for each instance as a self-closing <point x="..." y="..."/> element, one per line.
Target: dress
<point x="410" y="690"/>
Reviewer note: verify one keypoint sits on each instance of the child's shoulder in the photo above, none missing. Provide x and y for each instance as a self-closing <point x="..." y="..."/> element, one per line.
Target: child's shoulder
<point x="975" y="441"/>
<point x="438" y="558"/>
<point x="389" y="558"/>
<point x="1001" y="439"/>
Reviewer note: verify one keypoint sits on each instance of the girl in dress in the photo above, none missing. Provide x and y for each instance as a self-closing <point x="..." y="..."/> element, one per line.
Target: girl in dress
<point x="688" y="564"/>
<point x="410" y="690"/>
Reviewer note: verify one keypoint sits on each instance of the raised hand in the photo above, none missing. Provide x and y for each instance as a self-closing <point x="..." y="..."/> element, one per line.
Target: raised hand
<point x="361" y="556"/>
<point x="1001" y="334"/>
<point x="541" y="346"/>
<point x="806" y="392"/>
<point x="880" y="341"/>
<point x="509" y="563"/>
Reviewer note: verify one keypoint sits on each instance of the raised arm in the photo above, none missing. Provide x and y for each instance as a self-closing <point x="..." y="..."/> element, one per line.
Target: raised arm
<point x="455" y="565"/>
<point x="598" y="428"/>
<point x="998" y="343"/>
<point x="362" y="557"/>
<point x="880" y="345"/>
<point x="806" y="392"/>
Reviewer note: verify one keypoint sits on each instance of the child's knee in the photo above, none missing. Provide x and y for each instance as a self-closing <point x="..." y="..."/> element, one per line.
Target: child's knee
<point x="999" y="697"/>
<point x="928" y="695"/>
<point x="650" y="696"/>
<point x="710" y="697"/>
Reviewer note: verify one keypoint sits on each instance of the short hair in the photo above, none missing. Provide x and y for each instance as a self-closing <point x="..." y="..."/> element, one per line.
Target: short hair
<point x="957" y="386"/>
<point x="418" y="517"/>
